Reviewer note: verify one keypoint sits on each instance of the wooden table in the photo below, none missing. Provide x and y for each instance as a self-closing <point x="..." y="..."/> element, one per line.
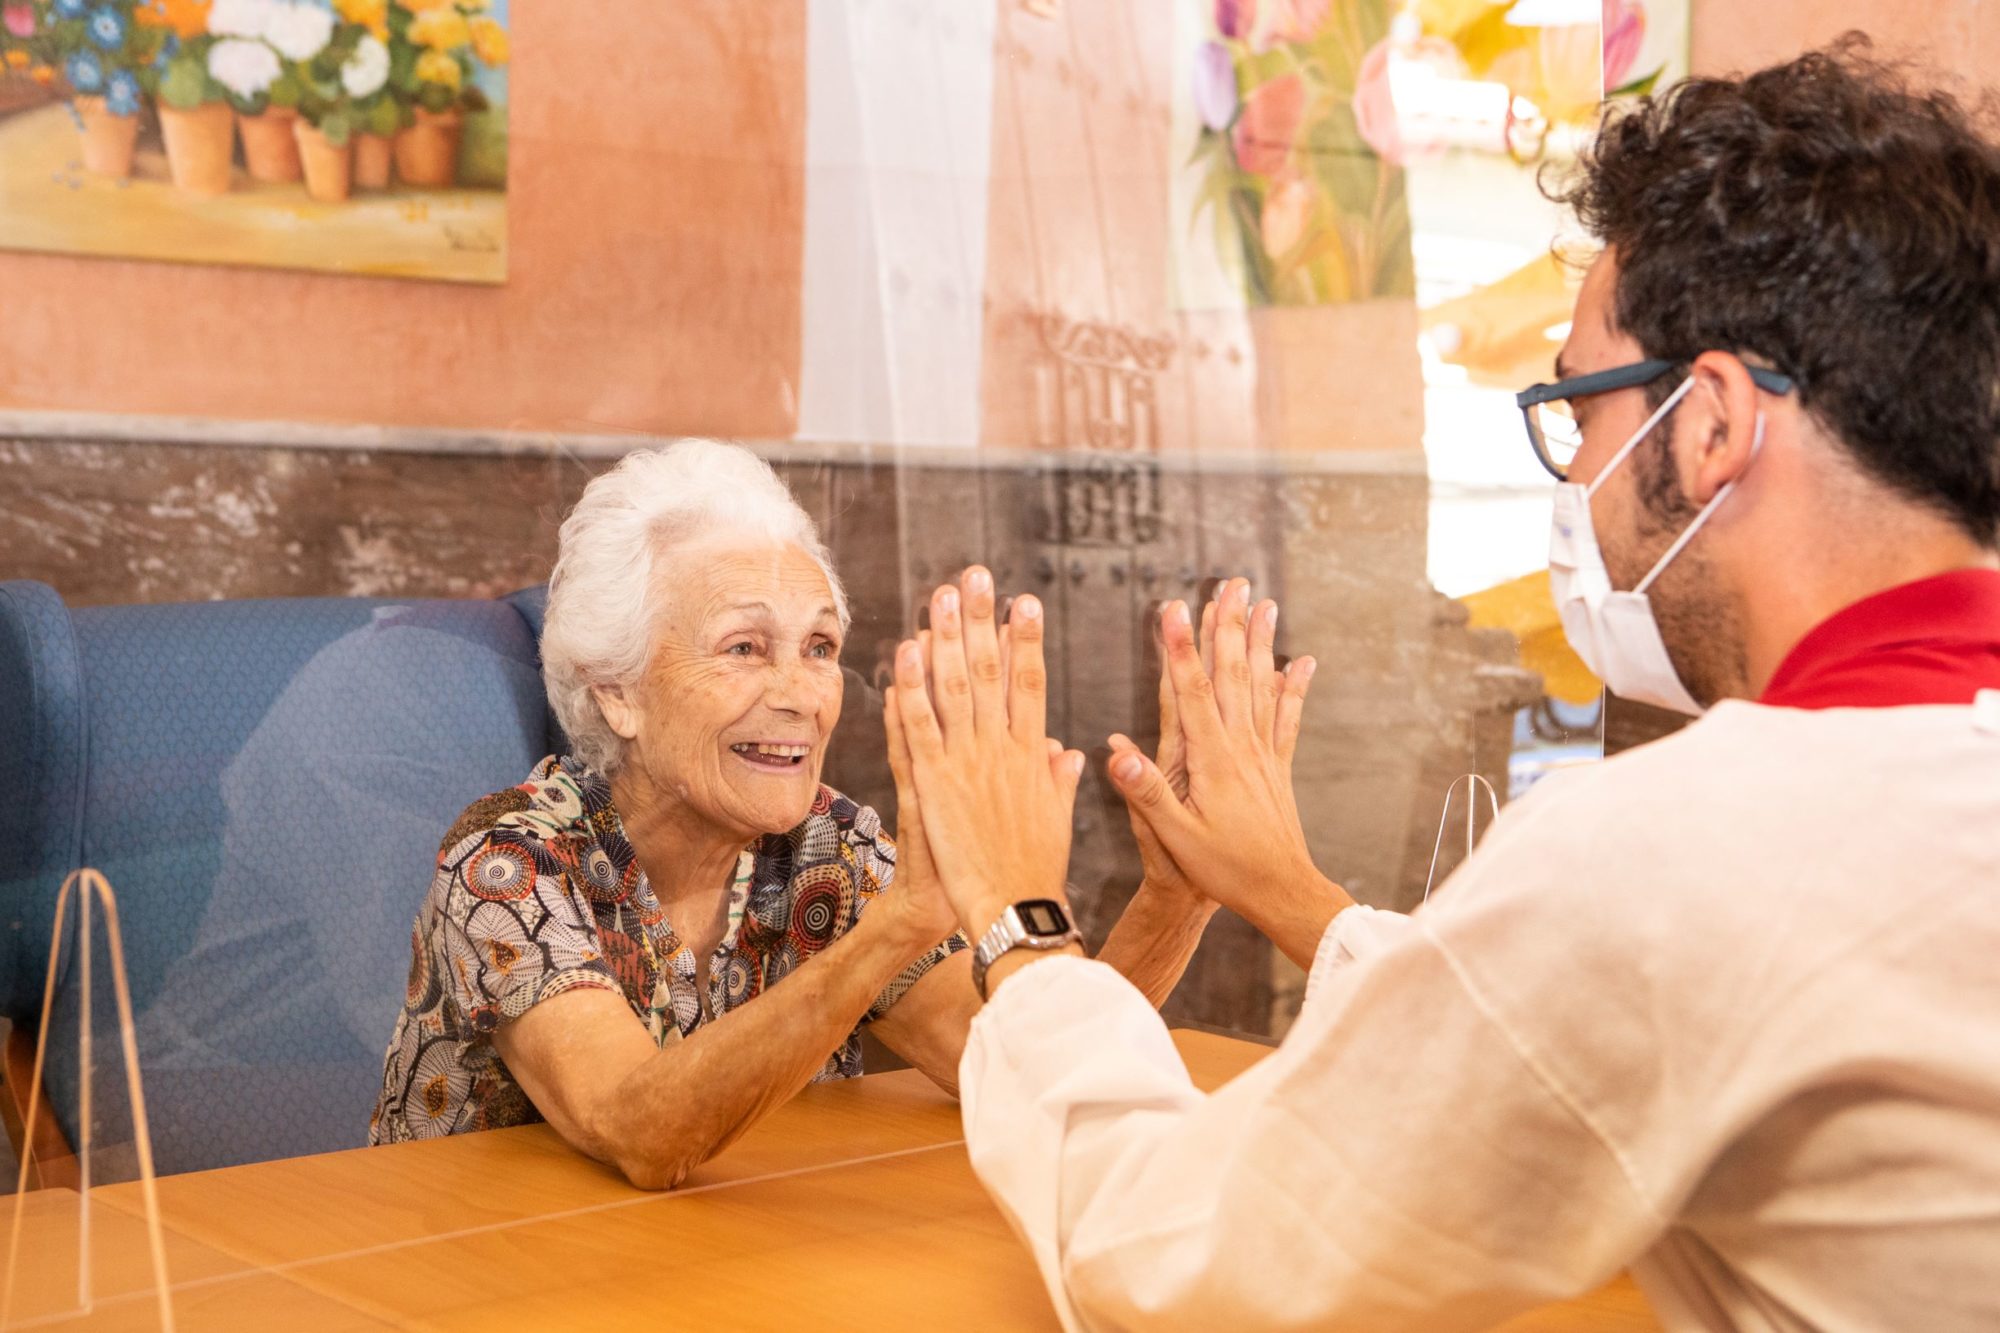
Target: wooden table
<point x="853" y="1206"/>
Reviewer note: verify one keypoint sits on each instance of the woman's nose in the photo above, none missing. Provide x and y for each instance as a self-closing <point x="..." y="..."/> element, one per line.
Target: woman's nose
<point x="791" y="688"/>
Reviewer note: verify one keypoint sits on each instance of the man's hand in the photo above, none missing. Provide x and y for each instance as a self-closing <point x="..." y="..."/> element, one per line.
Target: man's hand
<point x="997" y="794"/>
<point x="1236" y="835"/>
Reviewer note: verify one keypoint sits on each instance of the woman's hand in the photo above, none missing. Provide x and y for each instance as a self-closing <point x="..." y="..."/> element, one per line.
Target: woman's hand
<point x="919" y="897"/>
<point x="1235" y="836"/>
<point x="1160" y="871"/>
<point x="997" y="796"/>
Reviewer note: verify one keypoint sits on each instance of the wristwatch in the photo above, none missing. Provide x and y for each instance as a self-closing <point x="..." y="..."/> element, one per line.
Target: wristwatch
<point x="1037" y="923"/>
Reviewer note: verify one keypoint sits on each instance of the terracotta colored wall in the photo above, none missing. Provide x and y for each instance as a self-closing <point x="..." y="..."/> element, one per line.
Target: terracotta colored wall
<point x="1960" y="37"/>
<point x="656" y="212"/>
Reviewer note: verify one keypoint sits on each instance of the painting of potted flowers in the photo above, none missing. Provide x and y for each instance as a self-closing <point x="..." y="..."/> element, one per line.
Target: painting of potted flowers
<point x="357" y="136"/>
<point x="1289" y="187"/>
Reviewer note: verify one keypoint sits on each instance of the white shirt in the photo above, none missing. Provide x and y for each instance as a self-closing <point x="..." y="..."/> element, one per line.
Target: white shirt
<point x="1724" y="1010"/>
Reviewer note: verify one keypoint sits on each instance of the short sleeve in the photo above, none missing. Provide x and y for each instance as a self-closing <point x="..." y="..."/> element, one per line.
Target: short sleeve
<point x="875" y="853"/>
<point x="513" y="934"/>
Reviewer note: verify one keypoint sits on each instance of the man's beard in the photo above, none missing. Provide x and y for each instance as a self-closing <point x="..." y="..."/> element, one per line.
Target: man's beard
<point x="1702" y="629"/>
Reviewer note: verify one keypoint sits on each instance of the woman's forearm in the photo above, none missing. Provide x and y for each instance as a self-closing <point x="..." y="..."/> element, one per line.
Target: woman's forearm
<point x="689" y="1101"/>
<point x="1155" y="937"/>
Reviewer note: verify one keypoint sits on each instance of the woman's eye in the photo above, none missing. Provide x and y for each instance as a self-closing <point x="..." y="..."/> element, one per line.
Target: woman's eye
<point x="740" y="649"/>
<point x="824" y="649"/>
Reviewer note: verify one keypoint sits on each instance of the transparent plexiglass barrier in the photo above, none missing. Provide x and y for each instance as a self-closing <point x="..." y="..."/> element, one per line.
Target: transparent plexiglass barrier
<point x="1119" y="300"/>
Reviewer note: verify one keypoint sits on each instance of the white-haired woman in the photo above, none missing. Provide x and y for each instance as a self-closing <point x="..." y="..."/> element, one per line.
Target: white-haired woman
<point x="602" y="945"/>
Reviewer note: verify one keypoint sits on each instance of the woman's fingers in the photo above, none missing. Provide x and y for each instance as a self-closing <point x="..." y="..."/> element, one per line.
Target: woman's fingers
<point x="924" y="646"/>
<point x="921" y="732"/>
<point x="982" y="649"/>
<point x="1291" y="708"/>
<point x="949" y="678"/>
<point x="1208" y="632"/>
<point x="1173" y="749"/>
<point x="1194" y="693"/>
<point x="1264" y="680"/>
<point x="1027" y="674"/>
<point x="909" y="821"/>
<point x="899" y="746"/>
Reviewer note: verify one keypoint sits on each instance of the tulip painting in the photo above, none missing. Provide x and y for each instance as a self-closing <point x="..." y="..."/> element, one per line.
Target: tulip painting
<point x="1296" y="176"/>
<point x="1641" y="51"/>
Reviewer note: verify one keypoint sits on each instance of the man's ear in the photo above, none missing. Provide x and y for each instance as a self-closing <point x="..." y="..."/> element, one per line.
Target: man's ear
<point x="1722" y="409"/>
<point x="621" y="711"/>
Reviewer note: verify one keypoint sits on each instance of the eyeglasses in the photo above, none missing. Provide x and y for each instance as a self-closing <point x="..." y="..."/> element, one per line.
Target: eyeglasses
<point x="1548" y="408"/>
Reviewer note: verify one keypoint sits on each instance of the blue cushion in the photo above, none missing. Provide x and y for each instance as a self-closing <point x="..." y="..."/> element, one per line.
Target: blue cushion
<point x="267" y="786"/>
<point x="41" y="751"/>
<point x="533" y="604"/>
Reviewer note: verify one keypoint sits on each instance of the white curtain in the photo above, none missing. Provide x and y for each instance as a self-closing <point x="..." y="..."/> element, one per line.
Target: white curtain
<point x="899" y="119"/>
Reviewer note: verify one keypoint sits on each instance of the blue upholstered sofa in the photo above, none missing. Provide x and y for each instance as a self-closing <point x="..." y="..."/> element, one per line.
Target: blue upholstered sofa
<point x="265" y="784"/>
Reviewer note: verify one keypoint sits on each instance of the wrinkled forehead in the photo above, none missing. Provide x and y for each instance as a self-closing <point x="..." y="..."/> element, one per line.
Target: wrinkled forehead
<point x="777" y="584"/>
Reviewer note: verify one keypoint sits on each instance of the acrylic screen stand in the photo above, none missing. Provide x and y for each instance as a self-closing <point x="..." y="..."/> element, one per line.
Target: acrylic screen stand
<point x="90" y="885"/>
<point x="1473" y="783"/>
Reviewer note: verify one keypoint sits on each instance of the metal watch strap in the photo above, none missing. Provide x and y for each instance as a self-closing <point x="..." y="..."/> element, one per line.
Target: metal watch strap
<point x="1008" y="934"/>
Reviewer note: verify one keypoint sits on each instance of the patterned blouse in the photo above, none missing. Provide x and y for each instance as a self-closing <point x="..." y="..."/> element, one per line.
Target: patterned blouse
<point x="538" y="892"/>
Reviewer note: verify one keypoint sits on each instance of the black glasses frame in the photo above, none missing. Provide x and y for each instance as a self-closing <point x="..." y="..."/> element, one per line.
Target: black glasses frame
<point x="1607" y="381"/>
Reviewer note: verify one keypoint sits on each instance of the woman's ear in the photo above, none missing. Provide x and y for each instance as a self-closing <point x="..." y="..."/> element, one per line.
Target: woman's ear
<point x="621" y="711"/>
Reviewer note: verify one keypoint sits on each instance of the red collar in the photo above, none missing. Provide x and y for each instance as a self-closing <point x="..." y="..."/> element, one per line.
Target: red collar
<point x="1935" y="641"/>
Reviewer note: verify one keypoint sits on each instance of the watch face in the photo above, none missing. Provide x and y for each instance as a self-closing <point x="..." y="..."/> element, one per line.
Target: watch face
<point x="1043" y="916"/>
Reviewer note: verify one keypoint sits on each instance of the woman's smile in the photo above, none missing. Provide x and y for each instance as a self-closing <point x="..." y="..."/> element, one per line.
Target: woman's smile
<point x="782" y="757"/>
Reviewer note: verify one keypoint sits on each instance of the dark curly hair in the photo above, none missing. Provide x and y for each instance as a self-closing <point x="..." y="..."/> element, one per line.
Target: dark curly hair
<point x="1835" y="219"/>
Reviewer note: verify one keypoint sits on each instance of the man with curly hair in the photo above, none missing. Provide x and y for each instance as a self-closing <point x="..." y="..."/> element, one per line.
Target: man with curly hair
<point x="1723" y="1010"/>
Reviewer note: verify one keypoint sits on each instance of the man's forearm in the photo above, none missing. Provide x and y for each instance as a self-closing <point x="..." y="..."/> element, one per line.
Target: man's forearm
<point x="1294" y="913"/>
<point x="1155" y="937"/>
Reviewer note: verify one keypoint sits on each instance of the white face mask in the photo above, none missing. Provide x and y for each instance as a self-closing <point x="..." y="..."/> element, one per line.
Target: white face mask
<point x="1614" y="632"/>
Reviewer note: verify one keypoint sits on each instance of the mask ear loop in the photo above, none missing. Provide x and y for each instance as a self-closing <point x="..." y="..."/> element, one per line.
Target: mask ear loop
<point x="1707" y="510"/>
<point x="1473" y="781"/>
<point x="1625" y="449"/>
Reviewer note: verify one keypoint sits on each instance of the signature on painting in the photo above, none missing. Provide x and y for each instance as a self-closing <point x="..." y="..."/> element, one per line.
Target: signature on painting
<point x="476" y="240"/>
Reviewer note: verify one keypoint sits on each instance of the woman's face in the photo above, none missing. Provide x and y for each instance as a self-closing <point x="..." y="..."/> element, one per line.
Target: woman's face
<point x="742" y="689"/>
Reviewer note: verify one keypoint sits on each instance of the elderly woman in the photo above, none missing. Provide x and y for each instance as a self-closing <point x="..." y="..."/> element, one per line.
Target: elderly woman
<point x="662" y="935"/>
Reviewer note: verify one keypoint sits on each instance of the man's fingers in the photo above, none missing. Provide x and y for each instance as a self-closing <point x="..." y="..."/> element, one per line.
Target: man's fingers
<point x="1232" y="655"/>
<point x="1027" y="673"/>
<point x="1264" y="680"/>
<point x="921" y="732"/>
<point x="982" y="649"/>
<point x="1291" y="708"/>
<point x="949" y="678"/>
<point x="1151" y="799"/>
<point x="1066" y="767"/>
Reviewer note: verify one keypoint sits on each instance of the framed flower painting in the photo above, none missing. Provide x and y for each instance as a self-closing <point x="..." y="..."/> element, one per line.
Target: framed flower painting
<point x="354" y="136"/>
<point x="1288" y="186"/>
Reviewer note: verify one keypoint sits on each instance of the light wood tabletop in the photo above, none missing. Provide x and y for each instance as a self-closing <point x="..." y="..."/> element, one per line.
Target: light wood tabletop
<point x="853" y="1206"/>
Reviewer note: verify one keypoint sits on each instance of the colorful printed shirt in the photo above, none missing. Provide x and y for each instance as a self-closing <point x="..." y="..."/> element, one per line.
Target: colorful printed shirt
<point x="538" y="892"/>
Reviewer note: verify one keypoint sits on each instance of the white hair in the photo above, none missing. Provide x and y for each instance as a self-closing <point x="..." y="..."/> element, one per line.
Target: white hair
<point x="598" y="629"/>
